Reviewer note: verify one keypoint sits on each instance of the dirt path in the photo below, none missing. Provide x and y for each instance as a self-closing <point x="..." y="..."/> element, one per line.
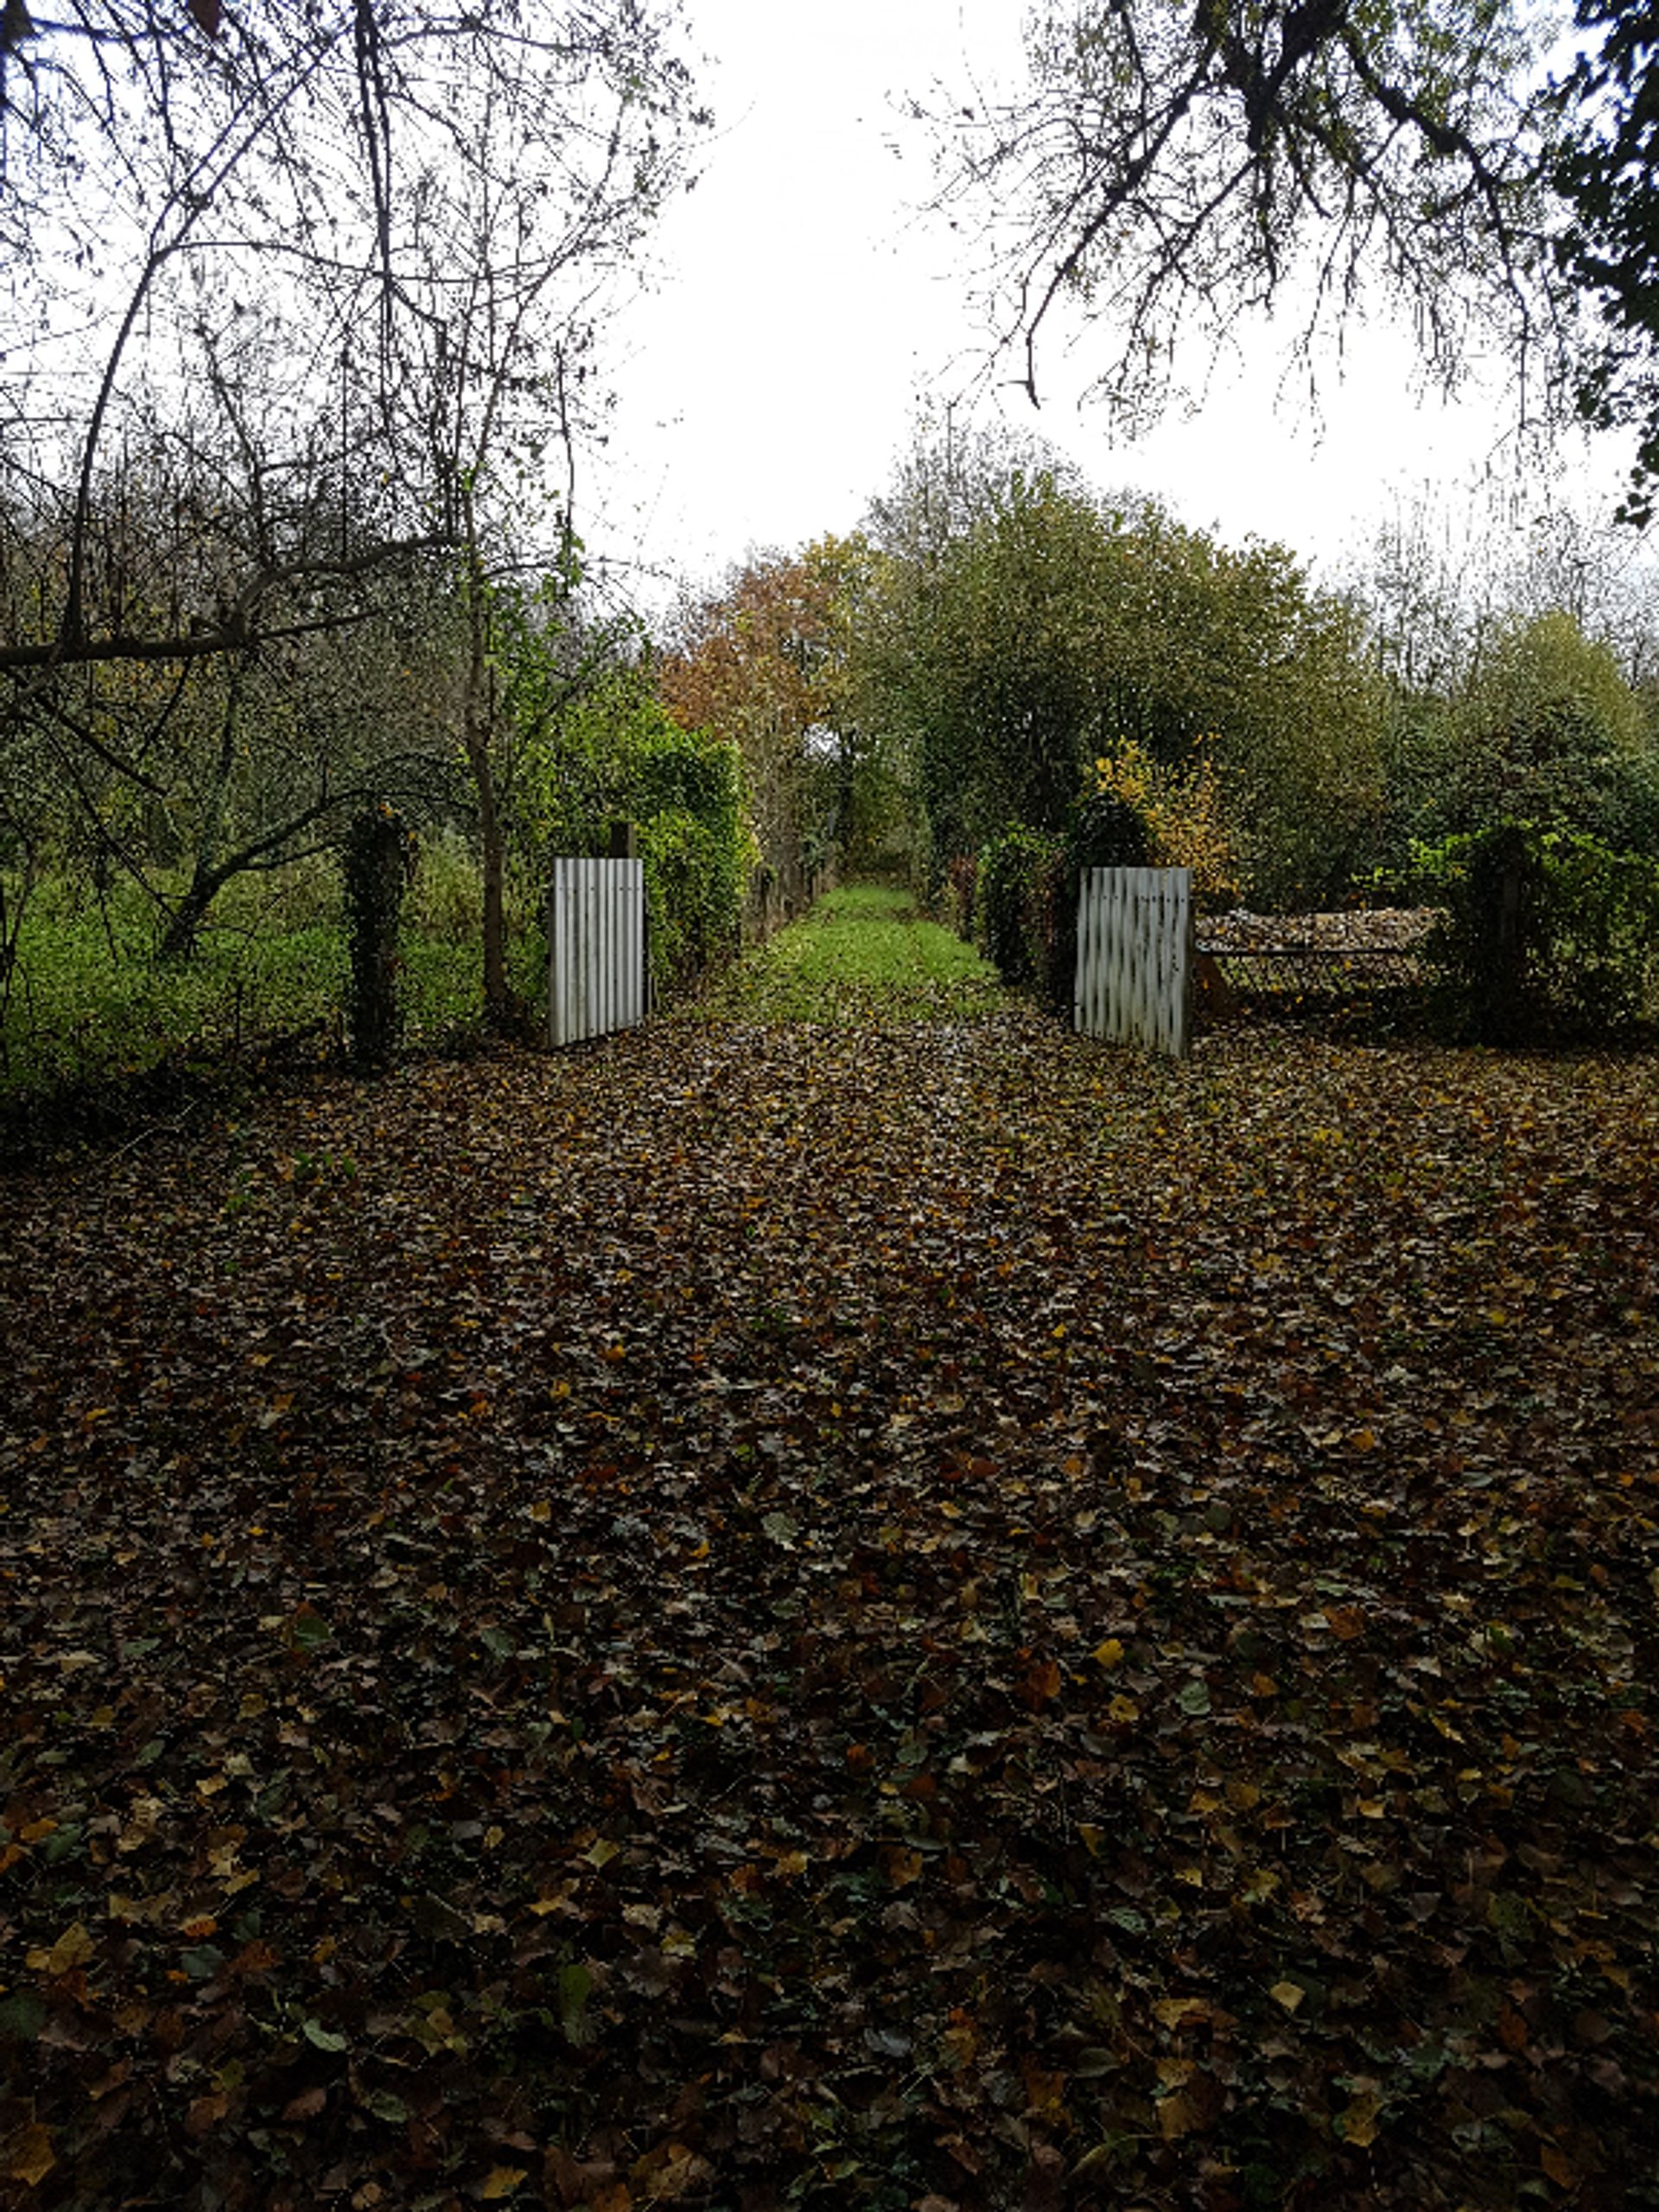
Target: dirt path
<point x="926" y="1615"/>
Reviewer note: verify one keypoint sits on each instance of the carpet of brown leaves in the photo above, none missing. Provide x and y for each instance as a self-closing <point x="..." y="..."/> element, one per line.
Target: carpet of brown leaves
<point x="920" y="1617"/>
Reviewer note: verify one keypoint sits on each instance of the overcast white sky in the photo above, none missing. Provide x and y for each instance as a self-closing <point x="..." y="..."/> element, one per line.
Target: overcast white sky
<point x="767" y="385"/>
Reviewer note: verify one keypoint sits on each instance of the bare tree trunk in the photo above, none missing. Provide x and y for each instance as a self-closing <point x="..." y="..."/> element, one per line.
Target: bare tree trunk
<point x="207" y="875"/>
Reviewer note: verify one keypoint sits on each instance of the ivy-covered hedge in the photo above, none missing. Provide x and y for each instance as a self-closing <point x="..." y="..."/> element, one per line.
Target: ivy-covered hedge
<point x="1025" y="899"/>
<point x="379" y="856"/>
<point x="1548" y="935"/>
<point x="616" y="755"/>
<point x="697" y="850"/>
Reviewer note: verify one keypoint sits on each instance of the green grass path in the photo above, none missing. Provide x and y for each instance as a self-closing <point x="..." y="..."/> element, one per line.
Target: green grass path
<point x="864" y="953"/>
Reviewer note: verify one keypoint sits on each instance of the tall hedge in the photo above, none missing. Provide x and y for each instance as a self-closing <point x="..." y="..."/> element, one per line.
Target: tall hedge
<point x="616" y="755"/>
<point x="1548" y="933"/>
<point x="1024" y="910"/>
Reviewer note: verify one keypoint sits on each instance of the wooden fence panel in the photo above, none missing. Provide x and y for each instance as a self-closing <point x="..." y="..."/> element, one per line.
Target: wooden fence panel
<point x="595" y="949"/>
<point x="1135" y="956"/>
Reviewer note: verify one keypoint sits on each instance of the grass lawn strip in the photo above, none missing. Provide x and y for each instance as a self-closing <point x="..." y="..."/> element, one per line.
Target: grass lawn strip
<point x="864" y="953"/>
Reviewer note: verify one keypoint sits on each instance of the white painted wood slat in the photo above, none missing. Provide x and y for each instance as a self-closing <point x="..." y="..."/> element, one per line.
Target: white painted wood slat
<point x="1135" y="957"/>
<point x="595" y="949"/>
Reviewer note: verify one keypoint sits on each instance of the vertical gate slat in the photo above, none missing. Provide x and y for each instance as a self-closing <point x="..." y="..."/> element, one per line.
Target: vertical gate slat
<point x="1135" y="957"/>
<point x="595" y="948"/>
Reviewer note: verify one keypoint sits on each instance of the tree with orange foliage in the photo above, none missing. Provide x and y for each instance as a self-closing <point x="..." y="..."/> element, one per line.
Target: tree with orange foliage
<point x="764" y="662"/>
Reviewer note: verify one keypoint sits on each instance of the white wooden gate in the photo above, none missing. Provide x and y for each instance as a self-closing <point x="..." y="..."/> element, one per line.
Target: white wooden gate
<point x="595" y="949"/>
<point x="1135" y="956"/>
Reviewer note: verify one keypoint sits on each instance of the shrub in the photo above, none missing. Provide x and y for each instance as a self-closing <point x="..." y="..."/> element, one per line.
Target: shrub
<point x="1144" y="813"/>
<point x="618" y="755"/>
<point x="380" y="857"/>
<point x="1548" y="933"/>
<point x="695" y="872"/>
<point x="1020" y="921"/>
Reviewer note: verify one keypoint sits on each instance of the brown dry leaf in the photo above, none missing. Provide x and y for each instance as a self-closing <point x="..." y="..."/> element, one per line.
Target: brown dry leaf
<point x="1044" y="2091"/>
<point x="1192" y="2108"/>
<point x="670" y="2172"/>
<point x="1556" y="2164"/>
<point x="903" y="1865"/>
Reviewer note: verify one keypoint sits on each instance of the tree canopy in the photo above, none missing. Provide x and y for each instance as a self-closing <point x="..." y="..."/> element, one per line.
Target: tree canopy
<point x="1174" y="165"/>
<point x="1042" y="626"/>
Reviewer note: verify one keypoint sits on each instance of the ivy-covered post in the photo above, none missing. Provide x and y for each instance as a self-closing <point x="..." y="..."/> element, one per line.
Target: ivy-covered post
<point x="379" y="851"/>
<point x="1505" y="872"/>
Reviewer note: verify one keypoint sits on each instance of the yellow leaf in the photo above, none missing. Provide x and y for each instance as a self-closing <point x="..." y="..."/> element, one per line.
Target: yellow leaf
<point x="541" y="1510"/>
<point x="73" y="1948"/>
<point x="1359" y="2121"/>
<point x="1123" y="1709"/>
<point x="1287" y="1994"/>
<point x="31" y="2155"/>
<point x="500" y="2182"/>
<point x="1110" y="1653"/>
<point x="1178" y="2115"/>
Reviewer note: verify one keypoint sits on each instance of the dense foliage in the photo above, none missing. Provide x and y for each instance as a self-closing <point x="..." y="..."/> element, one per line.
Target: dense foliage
<point x="611" y="754"/>
<point x="379" y="858"/>
<point x="1541" y="725"/>
<point x="1547" y="934"/>
<point x="1020" y="629"/>
<point x="763" y="664"/>
<point x="1018" y="900"/>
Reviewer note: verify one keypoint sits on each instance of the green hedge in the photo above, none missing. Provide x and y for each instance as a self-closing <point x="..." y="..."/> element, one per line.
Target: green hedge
<point x="1024" y="911"/>
<point x="617" y="755"/>
<point x="1548" y="933"/>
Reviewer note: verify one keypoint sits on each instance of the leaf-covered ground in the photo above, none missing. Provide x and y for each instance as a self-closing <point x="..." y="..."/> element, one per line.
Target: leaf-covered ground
<point x="891" y="1617"/>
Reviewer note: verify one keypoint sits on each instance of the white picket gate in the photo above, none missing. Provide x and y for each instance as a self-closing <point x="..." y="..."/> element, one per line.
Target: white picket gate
<point x="595" y="949"/>
<point x="1135" y="956"/>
